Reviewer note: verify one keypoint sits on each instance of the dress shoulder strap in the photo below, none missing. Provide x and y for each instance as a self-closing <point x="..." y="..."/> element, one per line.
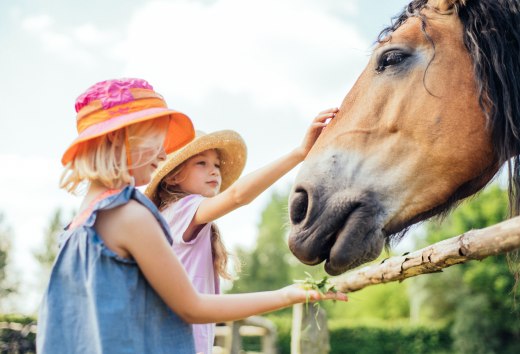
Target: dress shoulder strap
<point x="113" y="198"/>
<point x="80" y="218"/>
<point x="144" y="200"/>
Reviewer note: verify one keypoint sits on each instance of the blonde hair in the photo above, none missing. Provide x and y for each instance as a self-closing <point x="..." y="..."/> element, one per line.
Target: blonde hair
<point x="167" y="194"/>
<point x="105" y="159"/>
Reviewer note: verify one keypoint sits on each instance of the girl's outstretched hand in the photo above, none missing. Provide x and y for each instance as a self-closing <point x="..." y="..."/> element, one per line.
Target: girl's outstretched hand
<point x="298" y="293"/>
<point x="315" y="129"/>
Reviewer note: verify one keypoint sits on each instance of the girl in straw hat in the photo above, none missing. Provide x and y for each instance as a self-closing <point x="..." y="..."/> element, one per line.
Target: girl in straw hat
<point x="196" y="185"/>
<point x="108" y="291"/>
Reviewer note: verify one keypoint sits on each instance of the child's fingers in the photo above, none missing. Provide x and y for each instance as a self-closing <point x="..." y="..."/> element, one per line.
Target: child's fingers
<point x="321" y="122"/>
<point x="319" y="125"/>
<point x="329" y="110"/>
<point x="339" y="296"/>
<point x="331" y="295"/>
<point x="323" y="116"/>
<point x="320" y="116"/>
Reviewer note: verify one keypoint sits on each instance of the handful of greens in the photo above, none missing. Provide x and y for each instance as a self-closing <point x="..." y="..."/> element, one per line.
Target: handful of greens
<point x="323" y="286"/>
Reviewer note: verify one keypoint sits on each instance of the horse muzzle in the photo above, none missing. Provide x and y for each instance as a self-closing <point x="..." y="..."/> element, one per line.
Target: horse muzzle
<point x="342" y="227"/>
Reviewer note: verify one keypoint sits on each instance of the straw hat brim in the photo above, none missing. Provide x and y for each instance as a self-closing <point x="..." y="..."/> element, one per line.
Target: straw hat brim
<point x="232" y="152"/>
<point x="180" y="129"/>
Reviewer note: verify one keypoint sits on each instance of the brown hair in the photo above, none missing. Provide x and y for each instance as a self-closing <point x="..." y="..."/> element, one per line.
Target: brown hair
<point x="167" y="194"/>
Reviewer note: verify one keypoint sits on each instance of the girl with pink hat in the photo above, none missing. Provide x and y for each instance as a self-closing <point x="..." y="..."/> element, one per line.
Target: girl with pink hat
<point x="195" y="185"/>
<point x="108" y="290"/>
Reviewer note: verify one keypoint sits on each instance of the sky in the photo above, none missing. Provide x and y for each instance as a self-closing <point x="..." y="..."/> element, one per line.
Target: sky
<point x="262" y="68"/>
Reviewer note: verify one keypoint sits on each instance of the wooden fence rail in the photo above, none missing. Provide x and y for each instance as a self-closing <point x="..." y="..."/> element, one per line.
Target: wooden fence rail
<point x="472" y="245"/>
<point x="228" y="338"/>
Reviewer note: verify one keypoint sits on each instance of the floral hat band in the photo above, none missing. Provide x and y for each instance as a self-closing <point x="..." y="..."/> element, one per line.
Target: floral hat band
<point x="114" y="104"/>
<point x="95" y="112"/>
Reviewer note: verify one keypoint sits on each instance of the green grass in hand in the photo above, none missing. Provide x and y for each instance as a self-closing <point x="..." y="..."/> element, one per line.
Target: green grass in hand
<point x="323" y="286"/>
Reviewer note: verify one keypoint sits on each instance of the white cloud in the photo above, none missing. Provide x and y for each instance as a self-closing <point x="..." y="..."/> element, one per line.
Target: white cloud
<point x="56" y="42"/>
<point x="272" y="51"/>
<point x="36" y="23"/>
<point x="89" y="34"/>
<point x="80" y="45"/>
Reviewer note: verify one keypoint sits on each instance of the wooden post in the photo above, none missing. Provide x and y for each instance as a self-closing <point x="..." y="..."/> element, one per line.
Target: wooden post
<point x="309" y="333"/>
<point x="236" y="340"/>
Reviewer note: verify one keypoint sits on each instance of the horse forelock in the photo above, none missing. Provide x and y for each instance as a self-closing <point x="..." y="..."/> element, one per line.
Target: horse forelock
<point x="411" y="10"/>
<point x="492" y="38"/>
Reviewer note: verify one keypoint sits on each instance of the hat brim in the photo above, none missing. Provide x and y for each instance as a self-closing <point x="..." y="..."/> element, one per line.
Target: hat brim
<point x="232" y="152"/>
<point x="180" y="129"/>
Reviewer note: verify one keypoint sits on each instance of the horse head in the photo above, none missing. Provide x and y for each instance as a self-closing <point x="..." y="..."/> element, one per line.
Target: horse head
<point x="429" y="122"/>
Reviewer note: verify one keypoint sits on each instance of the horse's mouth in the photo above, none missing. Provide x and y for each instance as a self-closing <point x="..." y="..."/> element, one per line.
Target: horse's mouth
<point x="344" y="237"/>
<point x="357" y="242"/>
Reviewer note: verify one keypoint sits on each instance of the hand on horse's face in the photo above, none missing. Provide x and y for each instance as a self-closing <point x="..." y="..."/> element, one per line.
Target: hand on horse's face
<point x="315" y="129"/>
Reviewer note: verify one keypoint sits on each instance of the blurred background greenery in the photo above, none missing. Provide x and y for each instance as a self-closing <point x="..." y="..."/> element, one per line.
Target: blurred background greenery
<point x="469" y="308"/>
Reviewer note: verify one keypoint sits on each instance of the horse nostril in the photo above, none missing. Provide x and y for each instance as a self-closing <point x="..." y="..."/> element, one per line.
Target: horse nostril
<point x="298" y="206"/>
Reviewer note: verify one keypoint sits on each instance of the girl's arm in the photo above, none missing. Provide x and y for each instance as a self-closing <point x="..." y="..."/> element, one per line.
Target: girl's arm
<point x="247" y="188"/>
<point x="133" y="231"/>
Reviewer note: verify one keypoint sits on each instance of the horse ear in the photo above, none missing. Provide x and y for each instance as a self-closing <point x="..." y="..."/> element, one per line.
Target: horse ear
<point x="446" y="5"/>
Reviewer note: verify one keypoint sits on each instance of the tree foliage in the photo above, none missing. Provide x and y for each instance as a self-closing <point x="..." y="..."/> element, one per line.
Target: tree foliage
<point x="266" y="267"/>
<point x="46" y="254"/>
<point x="7" y="286"/>
<point x="475" y="298"/>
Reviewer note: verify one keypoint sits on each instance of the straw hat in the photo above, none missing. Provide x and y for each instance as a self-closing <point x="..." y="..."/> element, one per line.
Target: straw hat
<point x="114" y="104"/>
<point x="232" y="152"/>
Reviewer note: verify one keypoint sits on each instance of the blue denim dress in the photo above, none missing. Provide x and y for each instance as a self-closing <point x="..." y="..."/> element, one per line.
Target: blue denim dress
<point x="98" y="302"/>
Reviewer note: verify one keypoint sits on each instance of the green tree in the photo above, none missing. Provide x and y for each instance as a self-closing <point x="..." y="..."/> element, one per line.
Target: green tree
<point x="475" y="298"/>
<point x="266" y="267"/>
<point x="46" y="254"/>
<point x="7" y="286"/>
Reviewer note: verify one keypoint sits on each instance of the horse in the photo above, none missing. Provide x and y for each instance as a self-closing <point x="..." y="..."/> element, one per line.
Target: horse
<point x="430" y="121"/>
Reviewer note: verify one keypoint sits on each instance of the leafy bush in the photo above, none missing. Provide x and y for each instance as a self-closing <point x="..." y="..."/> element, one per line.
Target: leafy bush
<point x="19" y="338"/>
<point x="372" y="338"/>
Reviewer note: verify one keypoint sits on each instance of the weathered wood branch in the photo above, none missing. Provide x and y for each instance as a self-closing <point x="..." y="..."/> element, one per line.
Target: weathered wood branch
<point x="472" y="245"/>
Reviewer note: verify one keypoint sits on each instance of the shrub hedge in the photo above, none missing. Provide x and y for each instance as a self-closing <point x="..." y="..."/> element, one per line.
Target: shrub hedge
<point x="373" y="338"/>
<point x="345" y="337"/>
<point x="16" y="340"/>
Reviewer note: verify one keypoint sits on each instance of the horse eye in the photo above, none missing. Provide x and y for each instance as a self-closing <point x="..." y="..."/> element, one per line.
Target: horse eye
<point x="390" y="58"/>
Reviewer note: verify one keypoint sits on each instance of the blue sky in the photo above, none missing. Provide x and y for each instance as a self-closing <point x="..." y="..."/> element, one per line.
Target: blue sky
<point x="263" y="68"/>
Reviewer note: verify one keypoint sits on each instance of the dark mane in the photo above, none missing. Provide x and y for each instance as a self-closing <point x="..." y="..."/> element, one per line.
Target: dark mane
<point x="492" y="38"/>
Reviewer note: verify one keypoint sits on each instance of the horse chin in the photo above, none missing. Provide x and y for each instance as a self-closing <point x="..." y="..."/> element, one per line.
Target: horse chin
<point x="346" y="232"/>
<point x="356" y="244"/>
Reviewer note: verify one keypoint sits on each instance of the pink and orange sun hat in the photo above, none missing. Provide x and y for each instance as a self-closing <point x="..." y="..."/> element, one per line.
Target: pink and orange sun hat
<point x="113" y="104"/>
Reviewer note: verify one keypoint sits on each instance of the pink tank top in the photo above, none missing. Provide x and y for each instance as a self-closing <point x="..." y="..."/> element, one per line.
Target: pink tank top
<point x="197" y="259"/>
